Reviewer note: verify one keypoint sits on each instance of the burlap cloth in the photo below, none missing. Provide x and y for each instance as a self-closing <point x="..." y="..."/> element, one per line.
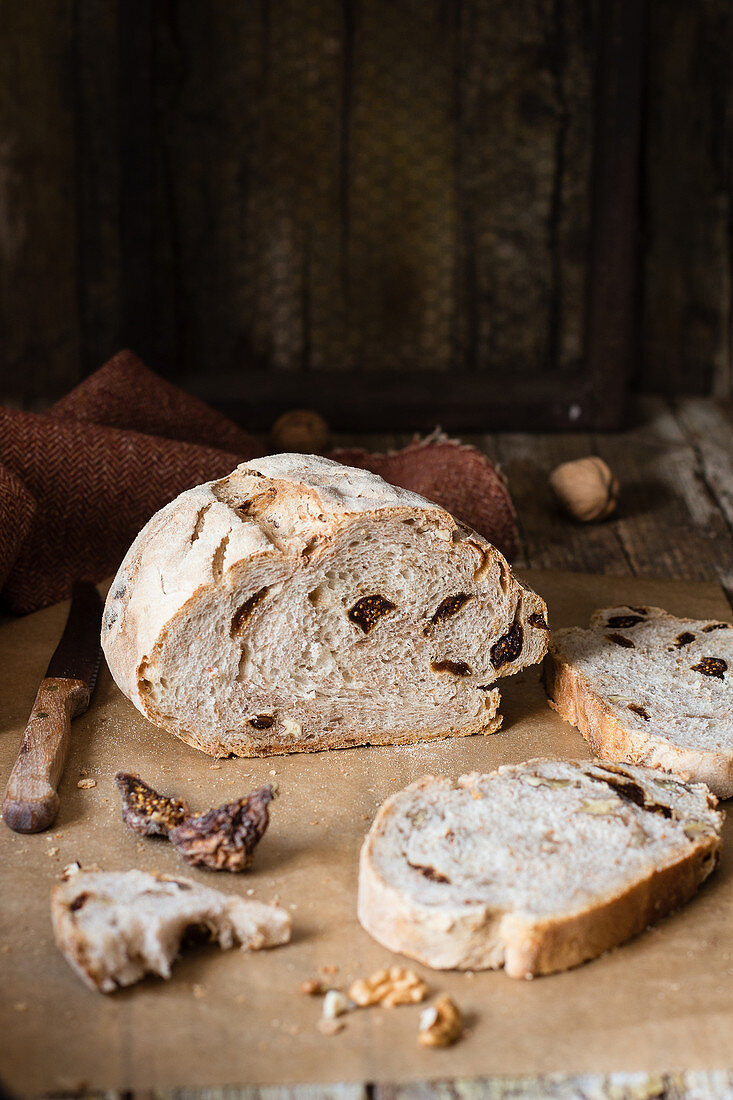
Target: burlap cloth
<point x="78" y="483"/>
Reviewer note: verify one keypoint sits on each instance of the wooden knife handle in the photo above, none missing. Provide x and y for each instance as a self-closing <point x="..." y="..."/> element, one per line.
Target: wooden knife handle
<point x="31" y="802"/>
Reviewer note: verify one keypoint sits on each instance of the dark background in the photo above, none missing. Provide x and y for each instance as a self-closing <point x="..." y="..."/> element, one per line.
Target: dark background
<point x="532" y="196"/>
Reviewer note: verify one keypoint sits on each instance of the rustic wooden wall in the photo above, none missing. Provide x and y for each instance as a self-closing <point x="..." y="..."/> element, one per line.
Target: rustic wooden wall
<point x="346" y="184"/>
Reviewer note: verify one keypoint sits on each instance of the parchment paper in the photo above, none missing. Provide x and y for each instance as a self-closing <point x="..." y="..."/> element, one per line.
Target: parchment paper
<point x="662" y="1002"/>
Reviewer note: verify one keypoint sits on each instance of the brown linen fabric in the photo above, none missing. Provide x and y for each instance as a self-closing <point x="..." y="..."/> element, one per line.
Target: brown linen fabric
<point x="77" y="484"/>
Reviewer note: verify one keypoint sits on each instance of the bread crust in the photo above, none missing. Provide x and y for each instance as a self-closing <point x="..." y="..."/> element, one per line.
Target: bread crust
<point x="473" y="936"/>
<point x="571" y="694"/>
<point x="295" y="506"/>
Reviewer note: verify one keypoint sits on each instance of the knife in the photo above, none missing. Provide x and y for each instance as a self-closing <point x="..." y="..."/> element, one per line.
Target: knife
<point x="31" y="802"/>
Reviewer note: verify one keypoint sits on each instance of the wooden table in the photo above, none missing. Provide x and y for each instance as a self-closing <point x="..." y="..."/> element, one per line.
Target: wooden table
<point x="675" y="466"/>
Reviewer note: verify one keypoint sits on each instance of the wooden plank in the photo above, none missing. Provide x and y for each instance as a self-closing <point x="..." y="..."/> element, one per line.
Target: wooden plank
<point x="97" y="85"/>
<point x="692" y="1085"/>
<point x="687" y="198"/>
<point x="708" y="426"/>
<point x="38" y="303"/>
<point x="386" y="400"/>
<point x="549" y="539"/>
<point x="611" y="336"/>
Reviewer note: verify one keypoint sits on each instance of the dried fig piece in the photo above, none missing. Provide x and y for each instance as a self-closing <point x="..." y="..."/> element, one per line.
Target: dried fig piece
<point x="508" y="647"/>
<point x="620" y="640"/>
<point x="430" y="872"/>
<point x="715" y="626"/>
<point x="711" y="666"/>
<point x="623" y="622"/>
<point x="144" y="810"/>
<point x="224" y="839"/>
<point x="450" y="605"/>
<point x="683" y="639"/>
<point x="242" y="616"/>
<point x="456" y="668"/>
<point x="367" y="611"/>
<point x="637" y="709"/>
<point x="538" y="620"/>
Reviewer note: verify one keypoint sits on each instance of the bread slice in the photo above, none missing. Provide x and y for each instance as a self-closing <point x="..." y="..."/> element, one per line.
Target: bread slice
<point x="646" y="687"/>
<point x="299" y="604"/>
<point x="115" y="927"/>
<point x="535" y="867"/>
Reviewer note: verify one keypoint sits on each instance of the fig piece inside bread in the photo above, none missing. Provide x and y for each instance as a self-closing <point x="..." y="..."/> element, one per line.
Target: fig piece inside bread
<point x="536" y="867"/>
<point x="646" y="687"/>
<point x="299" y="604"/>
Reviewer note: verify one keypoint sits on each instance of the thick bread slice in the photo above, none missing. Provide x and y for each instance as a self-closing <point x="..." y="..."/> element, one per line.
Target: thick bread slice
<point x="645" y="687"/>
<point x="115" y="927"/>
<point x="535" y="867"/>
<point x="299" y="604"/>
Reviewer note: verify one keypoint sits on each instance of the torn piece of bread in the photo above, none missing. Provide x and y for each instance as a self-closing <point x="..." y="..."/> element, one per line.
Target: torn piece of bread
<point x="299" y="604"/>
<point x="115" y="927"/>
<point x="649" y="688"/>
<point x="536" y="867"/>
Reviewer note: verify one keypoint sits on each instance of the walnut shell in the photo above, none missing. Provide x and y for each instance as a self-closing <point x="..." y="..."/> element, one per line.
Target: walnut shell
<point x="586" y="488"/>
<point x="303" y="431"/>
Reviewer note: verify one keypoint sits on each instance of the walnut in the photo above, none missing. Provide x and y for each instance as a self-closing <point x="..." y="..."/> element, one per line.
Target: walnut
<point x="301" y="430"/>
<point x="441" y="1024"/>
<point x="144" y="810"/>
<point x="389" y="987"/>
<point x="224" y="839"/>
<point x="585" y="488"/>
<point x="711" y="666"/>
<point x="367" y="611"/>
<point x="508" y="647"/>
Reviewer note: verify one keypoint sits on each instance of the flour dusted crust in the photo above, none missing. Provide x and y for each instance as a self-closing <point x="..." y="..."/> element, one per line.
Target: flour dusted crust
<point x="649" y="688"/>
<point x="115" y="927"/>
<point x="299" y="604"/>
<point x="536" y="867"/>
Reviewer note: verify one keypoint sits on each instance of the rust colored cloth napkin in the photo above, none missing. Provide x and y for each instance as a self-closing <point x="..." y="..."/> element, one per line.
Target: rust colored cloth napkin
<point x="78" y="483"/>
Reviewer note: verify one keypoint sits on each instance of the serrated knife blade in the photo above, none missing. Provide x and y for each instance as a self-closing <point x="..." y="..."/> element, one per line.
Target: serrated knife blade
<point x="31" y="802"/>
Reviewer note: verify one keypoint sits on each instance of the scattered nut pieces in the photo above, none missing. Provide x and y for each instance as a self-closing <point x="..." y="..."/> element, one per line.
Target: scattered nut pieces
<point x="441" y="1024"/>
<point x="336" y="1003"/>
<point x="389" y="987"/>
<point x="222" y="839"/>
<point x="86" y="784"/>
<point x="312" y="988"/>
<point x="586" y="488"/>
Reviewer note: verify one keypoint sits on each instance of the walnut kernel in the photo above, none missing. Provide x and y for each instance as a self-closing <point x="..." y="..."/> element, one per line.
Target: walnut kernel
<point x="441" y="1024"/>
<point x="389" y="987"/>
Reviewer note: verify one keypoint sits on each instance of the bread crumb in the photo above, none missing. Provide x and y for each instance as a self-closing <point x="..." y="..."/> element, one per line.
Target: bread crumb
<point x="313" y="987"/>
<point x="328" y="969"/>
<point x="71" y="869"/>
<point x="198" y="991"/>
<point x="215" y="767"/>
<point x="250" y="892"/>
<point x="52" y="852"/>
<point x="273" y="772"/>
<point x="330" y="1027"/>
<point x="86" y="784"/>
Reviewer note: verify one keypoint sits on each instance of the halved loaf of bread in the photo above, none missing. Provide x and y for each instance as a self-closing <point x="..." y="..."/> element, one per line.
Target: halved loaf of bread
<point x="115" y="927"/>
<point x="535" y="867"/>
<point x="299" y="604"/>
<point x="646" y="687"/>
